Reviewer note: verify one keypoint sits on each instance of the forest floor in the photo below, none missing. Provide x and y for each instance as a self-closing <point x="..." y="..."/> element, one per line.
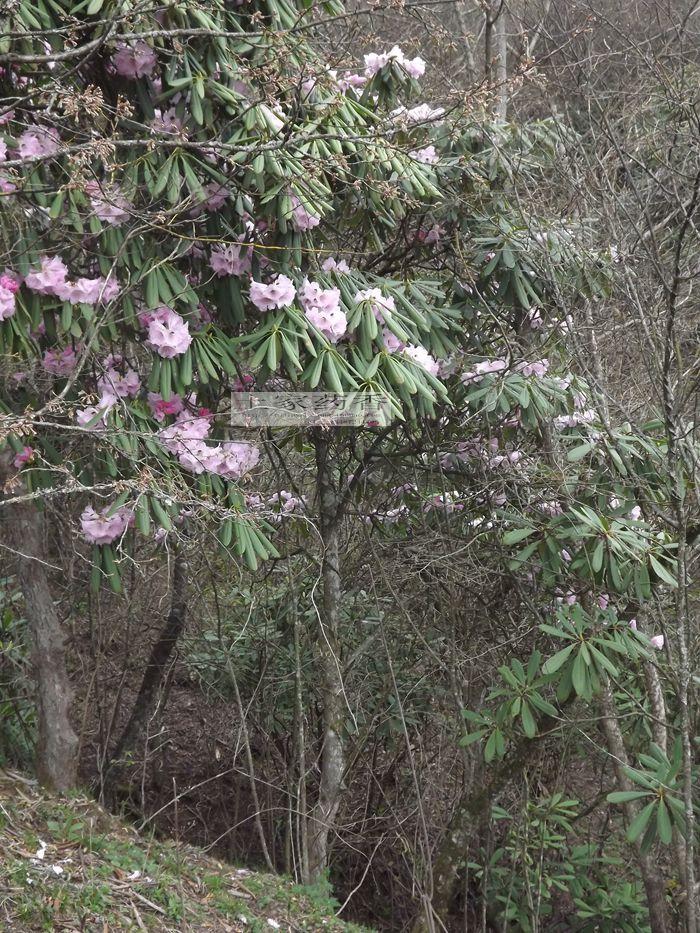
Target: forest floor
<point x="68" y="865"/>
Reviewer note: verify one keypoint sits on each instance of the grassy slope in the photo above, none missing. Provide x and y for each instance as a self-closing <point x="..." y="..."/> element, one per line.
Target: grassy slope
<point x="96" y="873"/>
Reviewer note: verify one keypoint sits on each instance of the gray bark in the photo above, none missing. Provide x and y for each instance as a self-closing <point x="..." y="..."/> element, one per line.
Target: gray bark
<point x="57" y="745"/>
<point x="323" y="814"/>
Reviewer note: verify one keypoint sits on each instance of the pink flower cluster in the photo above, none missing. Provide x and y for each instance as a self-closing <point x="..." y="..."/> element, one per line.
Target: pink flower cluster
<point x="185" y="439"/>
<point x="60" y="362"/>
<point x="168" y="334"/>
<point x="335" y="265"/>
<point x="374" y="62"/>
<point x="423" y="113"/>
<point x="22" y="458"/>
<point x="8" y="287"/>
<point x="420" y="356"/>
<point x="484" y="368"/>
<point x="160" y="408"/>
<point x="117" y="381"/>
<point x="302" y="218"/>
<point x="39" y="141"/>
<point x="235" y="259"/>
<point x="52" y="279"/>
<point x="322" y="309"/>
<point x="134" y="61"/>
<point x="103" y="528"/>
<point x="378" y="302"/>
<point x="279" y="293"/>
<point x="286" y="504"/>
<point x="108" y="204"/>
<point x="428" y="155"/>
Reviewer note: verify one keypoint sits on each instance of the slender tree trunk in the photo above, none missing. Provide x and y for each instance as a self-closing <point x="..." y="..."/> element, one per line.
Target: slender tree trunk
<point x="652" y="878"/>
<point x="496" y="54"/>
<point x="146" y="701"/>
<point x="323" y="814"/>
<point x="57" y="746"/>
<point x="501" y="70"/>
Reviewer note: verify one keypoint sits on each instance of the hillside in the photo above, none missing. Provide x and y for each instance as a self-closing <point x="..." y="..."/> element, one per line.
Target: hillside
<point x="67" y="864"/>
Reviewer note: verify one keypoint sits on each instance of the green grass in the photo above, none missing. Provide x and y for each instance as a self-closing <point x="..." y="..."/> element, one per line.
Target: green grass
<point x="97" y="870"/>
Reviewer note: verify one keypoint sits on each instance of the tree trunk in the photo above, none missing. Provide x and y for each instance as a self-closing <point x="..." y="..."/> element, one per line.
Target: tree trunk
<point x="496" y="54"/>
<point x="147" y="699"/>
<point x="57" y="746"/>
<point x="323" y="814"/>
<point x="652" y="878"/>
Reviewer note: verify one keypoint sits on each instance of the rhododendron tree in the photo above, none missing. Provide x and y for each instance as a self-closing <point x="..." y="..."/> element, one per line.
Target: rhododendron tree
<point x="196" y="203"/>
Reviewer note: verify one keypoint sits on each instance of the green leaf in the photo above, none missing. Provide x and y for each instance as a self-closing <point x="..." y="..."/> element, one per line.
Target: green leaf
<point x="623" y="796"/>
<point x="578" y="453"/>
<point x="662" y="572"/>
<point x="663" y="823"/>
<point x="557" y="660"/>
<point x="579" y="675"/>
<point x="528" y="720"/>
<point x="640" y="822"/>
<point x="516" y="535"/>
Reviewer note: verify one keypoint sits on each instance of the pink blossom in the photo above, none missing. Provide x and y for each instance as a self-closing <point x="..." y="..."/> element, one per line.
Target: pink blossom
<point x="3" y="150"/>
<point x="421" y="357"/>
<point x="538" y="368"/>
<point x="26" y="454"/>
<point x="375" y="62"/>
<point x="50" y="278"/>
<point x="168" y="122"/>
<point x="6" y="187"/>
<point x="333" y="265"/>
<point x="88" y="291"/>
<point x="235" y="259"/>
<point x="168" y="333"/>
<point x="633" y="625"/>
<point x="279" y="293"/>
<point x="39" y="141"/>
<point x="391" y="341"/>
<point x="657" y="641"/>
<point x="234" y="459"/>
<point x="7" y="301"/>
<point x="423" y="113"/>
<point x="345" y="82"/>
<point x="217" y="196"/>
<point x="113" y="384"/>
<point x="60" y="362"/>
<point x="88" y="417"/>
<point x="484" y="368"/>
<point x="415" y="67"/>
<point x="302" y="218"/>
<point x="185" y="435"/>
<point x="378" y="302"/>
<point x="137" y="61"/>
<point x="108" y="203"/>
<point x="635" y="514"/>
<point x="160" y="408"/>
<point x="428" y="155"/>
<point x="331" y="322"/>
<point x="312" y="295"/>
<point x="102" y="528"/>
<point x="244" y="383"/>
<point x="603" y="601"/>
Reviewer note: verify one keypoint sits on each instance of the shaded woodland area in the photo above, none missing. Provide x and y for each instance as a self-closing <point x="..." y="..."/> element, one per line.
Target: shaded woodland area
<point x="441" y="667"/>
